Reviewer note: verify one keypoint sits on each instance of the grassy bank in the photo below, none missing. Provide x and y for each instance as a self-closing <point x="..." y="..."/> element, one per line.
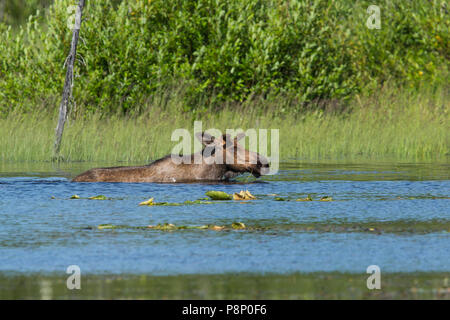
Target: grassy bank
<point x="407" y="125"/>
<point x="319" y="285"/>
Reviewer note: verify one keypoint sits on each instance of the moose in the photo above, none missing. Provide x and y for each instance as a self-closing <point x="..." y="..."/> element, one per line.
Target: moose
<point x="222" y="159"/>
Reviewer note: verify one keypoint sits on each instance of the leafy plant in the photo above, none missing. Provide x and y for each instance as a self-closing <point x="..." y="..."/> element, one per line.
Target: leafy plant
<point x="217" y="52"/>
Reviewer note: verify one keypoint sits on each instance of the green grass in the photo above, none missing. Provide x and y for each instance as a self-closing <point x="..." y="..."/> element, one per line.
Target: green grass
<point x="396" y="124"/>
<point x="319" y="285"/>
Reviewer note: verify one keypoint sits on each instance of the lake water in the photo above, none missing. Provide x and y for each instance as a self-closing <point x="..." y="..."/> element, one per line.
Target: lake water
<point x="394" y="215"/>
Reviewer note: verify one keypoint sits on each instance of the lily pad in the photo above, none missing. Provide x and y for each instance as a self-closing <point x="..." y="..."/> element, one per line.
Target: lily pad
<point x="149" y="202"/>
<point x="238" y="225"/>
<point x="99" y="197"/>
<point x="218" y="195"/>
<point x="326" y="198"/>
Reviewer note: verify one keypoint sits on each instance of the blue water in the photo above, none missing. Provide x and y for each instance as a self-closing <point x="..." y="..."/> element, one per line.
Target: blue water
<point x="41" y="234"/>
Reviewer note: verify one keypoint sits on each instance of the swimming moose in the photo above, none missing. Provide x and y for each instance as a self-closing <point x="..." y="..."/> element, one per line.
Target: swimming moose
<point x="222" y="158"/>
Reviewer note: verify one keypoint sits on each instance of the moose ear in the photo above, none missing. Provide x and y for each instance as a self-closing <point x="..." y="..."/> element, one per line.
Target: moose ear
<point x="204" y="138"/>
<point x="239" y="136"/>
<point x="226" y="138"/>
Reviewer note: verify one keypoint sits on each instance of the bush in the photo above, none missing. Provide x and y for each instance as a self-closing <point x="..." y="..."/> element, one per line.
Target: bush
<point x="220" y="50"/>
<point x="411" y="46"/>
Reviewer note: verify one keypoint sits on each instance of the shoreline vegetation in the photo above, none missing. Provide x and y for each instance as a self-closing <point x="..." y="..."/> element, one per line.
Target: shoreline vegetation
<point x="334" y="88"/>
<point x="403" y="124"/>
<point x="317" y="285"/>
<point x="220" y="52"/>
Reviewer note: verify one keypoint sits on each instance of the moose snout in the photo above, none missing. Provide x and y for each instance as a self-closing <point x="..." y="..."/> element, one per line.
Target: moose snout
<point x="263" y="166"/>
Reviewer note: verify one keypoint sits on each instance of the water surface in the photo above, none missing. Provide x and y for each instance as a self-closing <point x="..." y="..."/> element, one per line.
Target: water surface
<point x="394" y="215"/>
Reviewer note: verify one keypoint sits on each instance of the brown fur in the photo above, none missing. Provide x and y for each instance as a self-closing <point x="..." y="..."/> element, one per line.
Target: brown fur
<point x="165" y="170"/>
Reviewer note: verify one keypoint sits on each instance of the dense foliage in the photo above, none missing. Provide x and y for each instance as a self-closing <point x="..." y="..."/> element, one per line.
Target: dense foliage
<point x="220" y="50"/>
<point x="15" y="12"/>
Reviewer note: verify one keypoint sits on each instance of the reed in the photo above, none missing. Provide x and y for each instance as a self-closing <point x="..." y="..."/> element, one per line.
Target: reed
<point x="406" y="125"/>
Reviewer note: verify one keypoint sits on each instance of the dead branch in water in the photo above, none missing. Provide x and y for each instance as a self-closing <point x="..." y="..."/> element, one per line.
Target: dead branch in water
<point x="68" y="83"/>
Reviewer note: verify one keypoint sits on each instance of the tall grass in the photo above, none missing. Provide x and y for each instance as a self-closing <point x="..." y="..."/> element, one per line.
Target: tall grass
<point x="411" y="125"/>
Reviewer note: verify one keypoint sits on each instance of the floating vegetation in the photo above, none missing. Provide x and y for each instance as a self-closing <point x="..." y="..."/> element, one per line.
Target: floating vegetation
<point x="165" y="227"/>
<point x="149" y="202"/>
<point x="377" y="228"/>
<point x="99" y="197"/>
<point x="217" y="228"/>
<point x="308" y="198"/>
<point x="172" y="227"/>
<point x="107" y="226"/>
<point x="243" y="195"/>
<point x="167" y="204"/>
<point x="218" y="195"/>
<point x="238" y="225"/>
<point x="198" y="201"/>
<point x="111" y="226"/>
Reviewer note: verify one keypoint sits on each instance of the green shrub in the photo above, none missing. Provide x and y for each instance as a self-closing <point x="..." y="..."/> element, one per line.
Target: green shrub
<point x="15" y="12"/>
<point x="220" y="50"/>
<point x="411" y="46"/>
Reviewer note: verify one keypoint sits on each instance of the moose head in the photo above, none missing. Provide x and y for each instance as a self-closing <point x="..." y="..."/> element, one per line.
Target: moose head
<point x="225" y="150"/>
